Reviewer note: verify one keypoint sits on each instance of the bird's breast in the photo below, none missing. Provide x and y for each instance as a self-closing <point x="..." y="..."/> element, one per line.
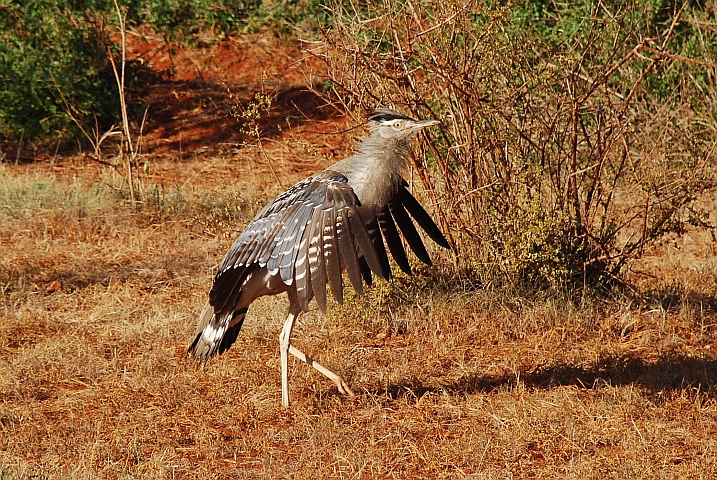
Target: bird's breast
<point x="373" y="187"/>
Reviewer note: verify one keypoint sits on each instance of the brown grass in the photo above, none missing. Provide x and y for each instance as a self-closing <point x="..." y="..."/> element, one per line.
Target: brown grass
<point x="100" y="298"/>
<point x="99" y="304"/>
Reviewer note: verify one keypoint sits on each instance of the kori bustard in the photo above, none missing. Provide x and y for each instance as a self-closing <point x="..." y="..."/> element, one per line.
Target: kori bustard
<point x="334" y="221"/>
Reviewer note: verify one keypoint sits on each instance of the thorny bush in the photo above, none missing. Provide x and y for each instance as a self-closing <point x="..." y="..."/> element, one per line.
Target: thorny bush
<point x="559" y="158"/>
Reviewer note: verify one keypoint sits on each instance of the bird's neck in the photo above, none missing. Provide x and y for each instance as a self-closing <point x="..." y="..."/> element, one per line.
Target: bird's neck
<point x="382" y="158"/>
<point x="388" y="149"/>
<point x="373" y="170"/>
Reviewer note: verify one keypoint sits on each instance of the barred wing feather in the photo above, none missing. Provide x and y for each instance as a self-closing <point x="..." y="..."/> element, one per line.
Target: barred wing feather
<point x="307" y="235"/>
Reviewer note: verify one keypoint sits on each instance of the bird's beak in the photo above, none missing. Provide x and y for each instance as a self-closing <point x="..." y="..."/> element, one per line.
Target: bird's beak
<point x="425" y="123"/>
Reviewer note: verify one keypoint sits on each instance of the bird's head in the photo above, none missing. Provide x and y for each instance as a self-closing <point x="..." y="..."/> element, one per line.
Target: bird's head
<point x="389" y="124"/>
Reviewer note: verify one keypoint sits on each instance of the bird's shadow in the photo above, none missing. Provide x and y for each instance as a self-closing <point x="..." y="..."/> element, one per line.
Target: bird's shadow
<point x="668" y="373"/>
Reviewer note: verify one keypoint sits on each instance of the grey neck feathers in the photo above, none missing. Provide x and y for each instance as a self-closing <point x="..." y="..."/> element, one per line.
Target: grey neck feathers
<point x="394" y="154"/>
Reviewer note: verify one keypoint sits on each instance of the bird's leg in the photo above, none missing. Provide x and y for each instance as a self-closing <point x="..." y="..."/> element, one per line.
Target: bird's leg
<point x="284" y="348"/>
<point x="338" y="381"/>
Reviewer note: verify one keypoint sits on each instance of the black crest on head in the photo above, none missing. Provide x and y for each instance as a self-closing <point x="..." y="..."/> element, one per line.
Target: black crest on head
<point x="383" y="114"/>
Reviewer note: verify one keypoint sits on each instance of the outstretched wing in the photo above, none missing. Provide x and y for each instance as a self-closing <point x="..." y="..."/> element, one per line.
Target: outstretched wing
<point x="307" y="235"/>
<point x="398" y="212"/>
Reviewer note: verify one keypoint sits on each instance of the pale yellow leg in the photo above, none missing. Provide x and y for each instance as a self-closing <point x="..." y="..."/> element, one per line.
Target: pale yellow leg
<point x="284" y="343"/>
<point x="285" y="348"/>
<point x="338" y="381"/>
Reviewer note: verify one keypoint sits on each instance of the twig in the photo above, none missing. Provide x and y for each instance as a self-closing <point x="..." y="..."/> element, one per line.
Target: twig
<point x="441" y="23"/>
<point x="120" y="78"/>
<point x="677" y="57"/>
<point x="99" y="139"/>
<point x="654" y="62"/>
<point x="268" y="162"/>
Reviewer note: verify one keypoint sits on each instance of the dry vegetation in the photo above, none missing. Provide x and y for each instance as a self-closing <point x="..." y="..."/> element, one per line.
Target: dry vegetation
<point x="565" y="148"/>
<point x="99" y="303"/>
<point x="454" y="380"/>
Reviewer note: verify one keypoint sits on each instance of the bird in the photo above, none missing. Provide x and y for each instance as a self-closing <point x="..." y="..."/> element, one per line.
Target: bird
<point x="332" y="222"/>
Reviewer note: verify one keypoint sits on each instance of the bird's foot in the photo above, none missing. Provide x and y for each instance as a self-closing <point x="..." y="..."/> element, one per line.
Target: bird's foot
<point x="343" y="387"/>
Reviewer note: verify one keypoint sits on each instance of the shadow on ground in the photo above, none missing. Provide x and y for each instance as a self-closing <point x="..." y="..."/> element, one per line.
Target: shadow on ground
<point x="203" y="114"/>
<point x="666" y="374"/>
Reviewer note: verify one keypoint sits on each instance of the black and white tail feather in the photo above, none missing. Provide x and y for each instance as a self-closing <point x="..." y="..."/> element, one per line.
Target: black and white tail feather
<point x="304" y="239"/>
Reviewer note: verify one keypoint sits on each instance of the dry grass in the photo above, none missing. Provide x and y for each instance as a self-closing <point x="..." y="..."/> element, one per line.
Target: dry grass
<point x="99" y="303"/>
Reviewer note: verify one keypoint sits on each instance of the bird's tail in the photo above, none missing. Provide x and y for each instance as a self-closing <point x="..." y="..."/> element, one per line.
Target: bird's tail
<point x="215" y="334"/>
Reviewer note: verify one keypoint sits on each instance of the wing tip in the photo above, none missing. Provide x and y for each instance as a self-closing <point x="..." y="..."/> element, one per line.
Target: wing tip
<point x="443" y="243"/>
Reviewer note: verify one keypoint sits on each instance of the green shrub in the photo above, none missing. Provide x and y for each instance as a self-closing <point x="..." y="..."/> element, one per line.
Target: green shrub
<point x="54" y="54"/>
<point x="47" y="47"/>
<point x="182" y="20"/>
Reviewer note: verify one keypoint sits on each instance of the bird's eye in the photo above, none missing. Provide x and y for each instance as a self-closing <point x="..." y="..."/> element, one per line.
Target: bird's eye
<point x="396" y="124"/>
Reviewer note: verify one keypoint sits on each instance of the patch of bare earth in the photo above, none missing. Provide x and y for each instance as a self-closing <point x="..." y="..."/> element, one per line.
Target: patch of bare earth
<point x="100" y="298"/>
